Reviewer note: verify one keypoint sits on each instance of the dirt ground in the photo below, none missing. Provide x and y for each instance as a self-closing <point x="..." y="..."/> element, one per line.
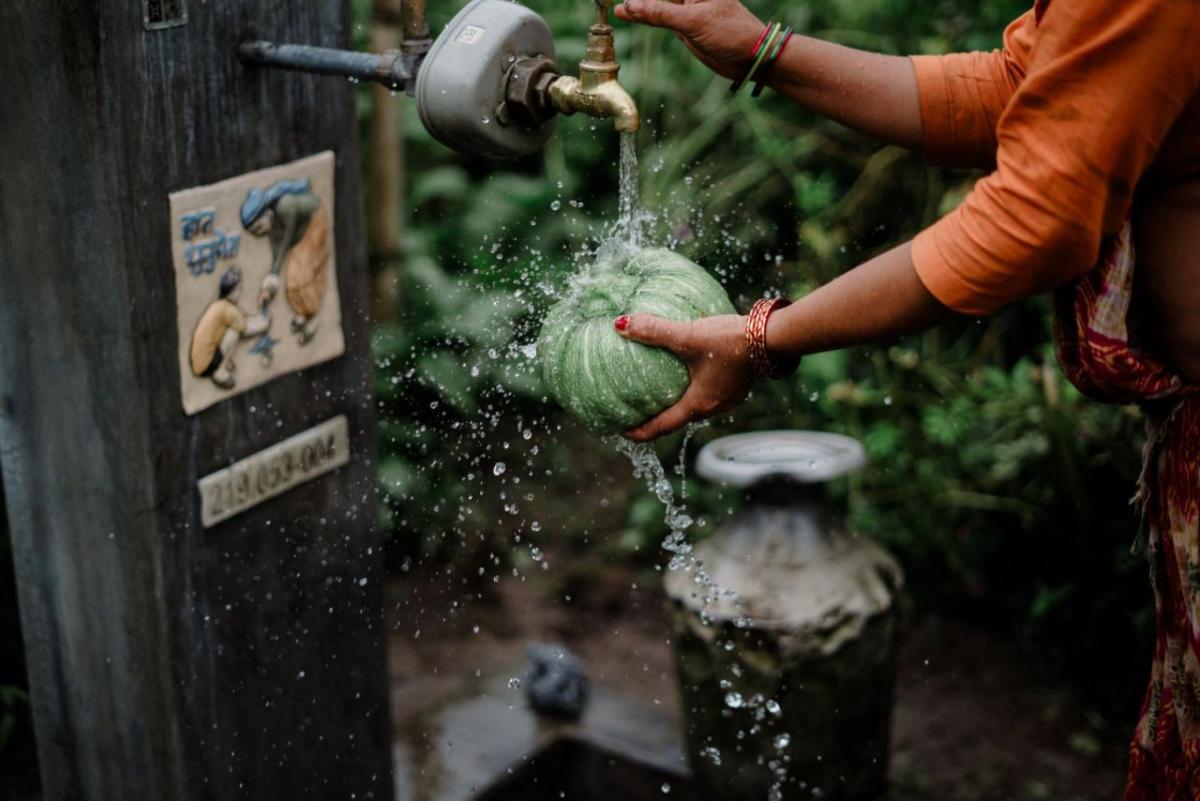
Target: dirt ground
<point x="971" y="721"/>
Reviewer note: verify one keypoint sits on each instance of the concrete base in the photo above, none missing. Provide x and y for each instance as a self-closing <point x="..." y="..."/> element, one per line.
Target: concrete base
<point x="492" y="747"/>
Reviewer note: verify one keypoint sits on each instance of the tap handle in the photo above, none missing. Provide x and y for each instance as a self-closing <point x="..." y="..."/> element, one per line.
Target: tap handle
<point x="602" y="8"/>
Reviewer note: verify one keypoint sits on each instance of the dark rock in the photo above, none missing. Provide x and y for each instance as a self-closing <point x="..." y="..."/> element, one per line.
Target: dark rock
<point x="556" y="683"/>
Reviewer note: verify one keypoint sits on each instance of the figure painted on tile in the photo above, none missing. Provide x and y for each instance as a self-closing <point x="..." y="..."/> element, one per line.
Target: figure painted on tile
<point x="220" y="328"/>
<point x="297" y="226"/>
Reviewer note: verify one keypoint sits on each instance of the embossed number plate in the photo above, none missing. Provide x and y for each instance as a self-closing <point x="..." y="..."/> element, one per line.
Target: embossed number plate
<point x="273" y="471"/>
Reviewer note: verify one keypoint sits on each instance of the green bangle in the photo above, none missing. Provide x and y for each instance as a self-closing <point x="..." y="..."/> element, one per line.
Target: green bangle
<point x="783" y="39"/>
<point x="762" y="52"/>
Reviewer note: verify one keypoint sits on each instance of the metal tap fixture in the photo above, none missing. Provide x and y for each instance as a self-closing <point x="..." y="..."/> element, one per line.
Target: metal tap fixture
<point x="489" y="84"/>
<point x="597" y="92"/>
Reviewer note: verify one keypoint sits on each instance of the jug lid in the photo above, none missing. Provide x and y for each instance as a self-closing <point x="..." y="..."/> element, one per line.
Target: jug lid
<point x="805" y="457"/>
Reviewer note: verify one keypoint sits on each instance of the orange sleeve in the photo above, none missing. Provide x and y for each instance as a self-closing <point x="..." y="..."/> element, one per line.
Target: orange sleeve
<point x="1105" y="82"/>
<point x="962" y="96"/>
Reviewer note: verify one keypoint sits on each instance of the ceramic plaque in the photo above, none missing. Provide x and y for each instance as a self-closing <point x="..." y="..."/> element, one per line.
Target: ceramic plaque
<point x="255" y="279"/>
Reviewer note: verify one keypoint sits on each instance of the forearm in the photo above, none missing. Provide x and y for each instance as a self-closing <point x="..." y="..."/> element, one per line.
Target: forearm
<point x="881" y="299"/>
<point x="869" y="92"/>
<point x="872" y="93"/>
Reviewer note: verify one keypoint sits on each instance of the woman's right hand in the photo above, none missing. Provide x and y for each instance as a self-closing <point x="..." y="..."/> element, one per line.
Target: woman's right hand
<point x="721" y="33"/>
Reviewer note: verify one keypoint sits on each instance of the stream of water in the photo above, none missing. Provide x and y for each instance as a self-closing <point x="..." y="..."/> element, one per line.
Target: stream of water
<point x="647" y="466"/>
<point x="630" y="224"/>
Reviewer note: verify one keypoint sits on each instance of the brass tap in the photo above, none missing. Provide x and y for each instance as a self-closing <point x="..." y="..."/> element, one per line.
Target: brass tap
<point x="596" y="92"/>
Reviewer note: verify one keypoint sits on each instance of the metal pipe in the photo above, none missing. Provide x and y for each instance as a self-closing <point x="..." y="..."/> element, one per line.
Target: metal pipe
<point x="417" y="40"/>
<point x="416" y="21"/>
<point x="388" y="68"/>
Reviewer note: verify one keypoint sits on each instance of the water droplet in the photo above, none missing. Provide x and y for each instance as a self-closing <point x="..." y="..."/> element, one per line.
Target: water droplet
<point x="773" y="707"/>
<point x="499" y="468"/>
<point x="733" y="700"/>
<point x="555" y="205"/>
<point x="486" y="120"/>
<point x="666" y="788"/>
<point x="514" y="683"/>
<point x="782" y="742"/>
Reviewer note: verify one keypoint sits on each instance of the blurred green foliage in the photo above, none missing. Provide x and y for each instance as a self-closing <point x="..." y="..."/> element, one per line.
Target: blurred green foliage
<point x="1003" y="492"/>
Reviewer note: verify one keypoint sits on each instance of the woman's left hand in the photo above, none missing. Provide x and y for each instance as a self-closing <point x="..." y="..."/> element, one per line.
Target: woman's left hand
<point x="714" y="350"/>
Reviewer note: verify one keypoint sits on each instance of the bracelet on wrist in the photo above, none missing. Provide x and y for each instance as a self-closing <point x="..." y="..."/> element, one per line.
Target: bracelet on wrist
<point x="771" y="59"/>
<point x="764" y="53"/>
<point x="756" y="340"/>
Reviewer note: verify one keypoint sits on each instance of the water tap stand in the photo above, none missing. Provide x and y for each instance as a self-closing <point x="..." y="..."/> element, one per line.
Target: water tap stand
<point x="488" y="84"/>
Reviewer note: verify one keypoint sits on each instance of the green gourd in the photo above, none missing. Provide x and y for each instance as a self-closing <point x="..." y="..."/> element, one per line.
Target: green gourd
<point x="605" y="381"/>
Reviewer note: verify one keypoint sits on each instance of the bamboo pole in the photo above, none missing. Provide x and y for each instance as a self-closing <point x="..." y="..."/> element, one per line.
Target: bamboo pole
<point x="385" y="175"/>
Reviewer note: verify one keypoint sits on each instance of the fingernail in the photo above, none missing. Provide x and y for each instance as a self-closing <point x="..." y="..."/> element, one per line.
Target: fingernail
<point x="621" y="323"/>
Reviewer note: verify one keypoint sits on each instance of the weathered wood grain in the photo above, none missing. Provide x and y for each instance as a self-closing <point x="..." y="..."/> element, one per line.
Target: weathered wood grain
<point x="167" y="662"/>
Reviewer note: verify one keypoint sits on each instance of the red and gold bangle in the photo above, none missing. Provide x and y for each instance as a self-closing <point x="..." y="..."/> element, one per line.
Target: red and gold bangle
<point x="762" y="37"/>
<point x="756" y="339"/>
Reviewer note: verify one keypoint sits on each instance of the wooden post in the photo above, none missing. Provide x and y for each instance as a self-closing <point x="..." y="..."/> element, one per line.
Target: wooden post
<point x="167" y="660"/>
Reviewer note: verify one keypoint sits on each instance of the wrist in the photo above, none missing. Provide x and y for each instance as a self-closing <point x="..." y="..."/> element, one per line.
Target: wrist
<point x="763" y="54"/>
<point x="749" y="34"/>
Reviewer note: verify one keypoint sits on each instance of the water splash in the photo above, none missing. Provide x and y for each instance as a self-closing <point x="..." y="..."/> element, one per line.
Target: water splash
<point x="648" y="467"/>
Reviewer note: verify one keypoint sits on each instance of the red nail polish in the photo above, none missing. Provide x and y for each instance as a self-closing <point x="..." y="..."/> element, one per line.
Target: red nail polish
<point x="621" y="323"/>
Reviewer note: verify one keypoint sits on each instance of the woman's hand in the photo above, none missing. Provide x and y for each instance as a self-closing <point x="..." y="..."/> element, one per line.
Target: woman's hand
<point x="714" y="350"/>
<point x="721" y="33"/>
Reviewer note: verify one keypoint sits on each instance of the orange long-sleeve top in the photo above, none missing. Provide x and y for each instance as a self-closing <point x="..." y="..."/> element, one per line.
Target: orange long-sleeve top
<point x="1088" y="102"/>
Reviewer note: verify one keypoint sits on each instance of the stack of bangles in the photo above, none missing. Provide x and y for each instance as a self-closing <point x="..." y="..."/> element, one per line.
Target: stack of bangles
<point x="764" y="53"/>
<point x="756" y="341"/>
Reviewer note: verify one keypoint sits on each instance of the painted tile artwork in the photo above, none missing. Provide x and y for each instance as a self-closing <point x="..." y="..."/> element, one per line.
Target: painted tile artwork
<point x="255" y="279"/>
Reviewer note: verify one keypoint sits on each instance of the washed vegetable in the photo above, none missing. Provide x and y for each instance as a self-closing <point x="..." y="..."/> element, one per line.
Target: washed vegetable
<point x="607" y="382"/>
